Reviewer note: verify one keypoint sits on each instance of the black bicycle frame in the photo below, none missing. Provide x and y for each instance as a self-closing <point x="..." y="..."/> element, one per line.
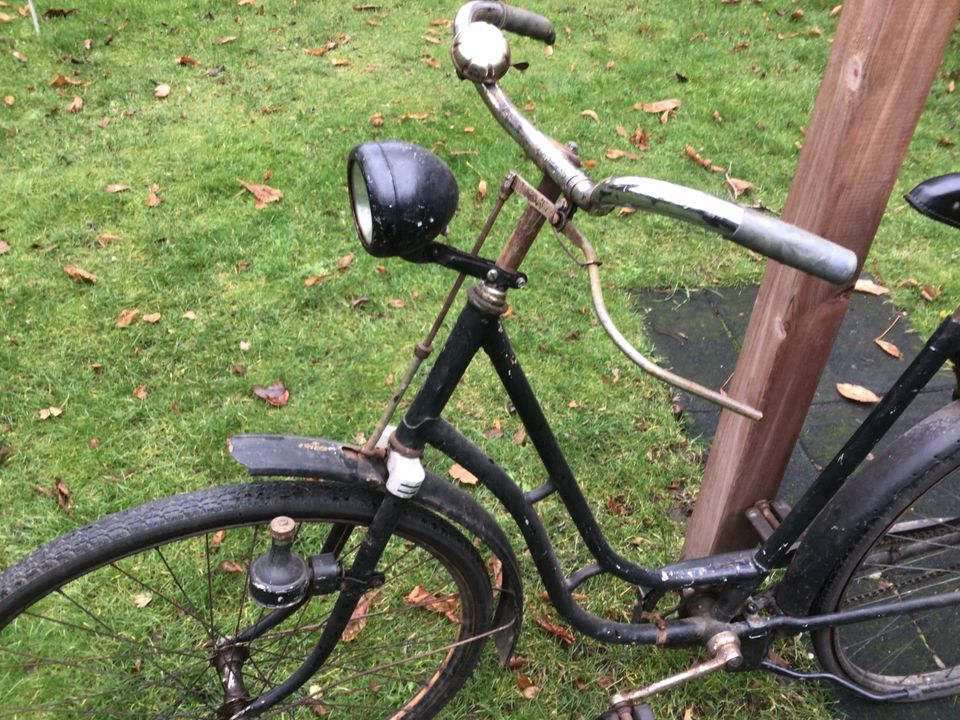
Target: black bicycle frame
<point x="736" y="574"/>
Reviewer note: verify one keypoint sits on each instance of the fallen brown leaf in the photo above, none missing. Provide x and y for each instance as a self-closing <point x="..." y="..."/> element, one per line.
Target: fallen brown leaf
<point x="116" y="188"/>
<point x="232" y="567"/>
<point x="107" y="238"/>
<point x="152" y="318"/>
<point x="930" y="293"/>
<point x="76" y="105"/>
<point x="592" y="114"/>
<point x="615" y="154"/>
<point x="19" y="56"/>
<point x="161" y="91"/>
<point x="127" y="317"/>
<point x="78" y="274"/>
<point x="63" y="495"/>
<point x="889" y="348"/>
<point x="359" y="618"/>
<point x="187" y="60"/>
<point x="640" y="139"/>
<point x="4" y="247"/>
<point x="225" y="39"/>
<point x="263" y="193"/>
<point x="565" y="636"/>
<point x="462" y="475"/>
<point x="660" y="106"/>
<point x="738" y="187"/>
<point x="318" y="279"/>
<point x="527" y="688"/>
<point x="481" y="190"/>
<point x="275" y="395"/>
<point x="692" y="153"/>
<point x="869" y="287"/>
<point x="63" y="81"/>
<point x="140" y="392"/>
<point x="49" y="412"/>
<point x="421" y="597"/>
<point x="857" y="393"/>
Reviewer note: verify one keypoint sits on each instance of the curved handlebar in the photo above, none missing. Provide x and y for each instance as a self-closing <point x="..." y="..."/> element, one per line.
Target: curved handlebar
<point x="764" y="234"/>
<point x="767" y="235"/>
<point x="507" y="17"/>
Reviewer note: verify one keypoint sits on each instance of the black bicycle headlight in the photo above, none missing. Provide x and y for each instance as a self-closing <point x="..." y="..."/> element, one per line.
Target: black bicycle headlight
<point x="401" y="195"/>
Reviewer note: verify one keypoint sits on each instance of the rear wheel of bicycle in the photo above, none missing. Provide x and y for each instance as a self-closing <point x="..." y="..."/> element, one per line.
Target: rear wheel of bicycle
<point x="905" y="545"/>
<point x="127" y="617"/>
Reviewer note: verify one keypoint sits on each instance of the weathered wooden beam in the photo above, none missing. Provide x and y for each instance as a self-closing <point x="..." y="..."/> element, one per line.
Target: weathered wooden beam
<point x="884" y="58"/>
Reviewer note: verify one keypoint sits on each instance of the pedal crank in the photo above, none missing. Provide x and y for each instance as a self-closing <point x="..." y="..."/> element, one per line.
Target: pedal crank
<point x="725" y="649"/>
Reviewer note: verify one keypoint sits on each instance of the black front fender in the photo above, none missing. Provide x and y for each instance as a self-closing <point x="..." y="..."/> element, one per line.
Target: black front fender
<point x="292" y="456"/>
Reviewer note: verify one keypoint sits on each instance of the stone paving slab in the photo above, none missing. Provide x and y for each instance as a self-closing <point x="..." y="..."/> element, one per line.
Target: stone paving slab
<point x="699" y="334"/>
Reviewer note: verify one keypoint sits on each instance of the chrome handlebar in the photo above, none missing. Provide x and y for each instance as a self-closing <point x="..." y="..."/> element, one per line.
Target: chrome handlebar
<point x="481" y="54"/>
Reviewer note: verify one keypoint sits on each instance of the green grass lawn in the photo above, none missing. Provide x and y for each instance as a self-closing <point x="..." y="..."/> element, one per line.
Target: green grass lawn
<point x="144" y="411"/>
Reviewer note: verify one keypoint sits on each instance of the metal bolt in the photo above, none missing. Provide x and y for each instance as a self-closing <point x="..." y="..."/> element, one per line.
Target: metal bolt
<point x="521" y="282"/>
<point x="283" y="528"/>
<point x="492" y="275"/>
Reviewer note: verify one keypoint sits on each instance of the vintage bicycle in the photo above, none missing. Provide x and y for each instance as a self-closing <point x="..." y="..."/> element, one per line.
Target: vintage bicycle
<point x="366" y="595"/>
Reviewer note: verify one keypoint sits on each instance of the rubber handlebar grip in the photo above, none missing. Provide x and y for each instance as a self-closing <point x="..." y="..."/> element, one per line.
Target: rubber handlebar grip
<point x="529" y="24"/>
<point x="796" y="247"/>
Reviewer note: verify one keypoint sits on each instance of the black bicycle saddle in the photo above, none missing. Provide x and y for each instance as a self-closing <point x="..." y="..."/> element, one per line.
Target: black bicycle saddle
<point x="938" y="198"/>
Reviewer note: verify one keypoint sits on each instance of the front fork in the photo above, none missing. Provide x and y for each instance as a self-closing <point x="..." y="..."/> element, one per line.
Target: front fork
<point x="356" y="581"/>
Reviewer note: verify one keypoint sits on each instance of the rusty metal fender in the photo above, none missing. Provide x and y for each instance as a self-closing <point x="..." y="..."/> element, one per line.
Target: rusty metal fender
<point x="326" y="460"/>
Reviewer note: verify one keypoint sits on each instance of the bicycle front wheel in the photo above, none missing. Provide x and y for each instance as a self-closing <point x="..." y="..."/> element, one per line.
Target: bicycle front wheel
<point x="903" y="528"/>
<point x="129" y="617"/>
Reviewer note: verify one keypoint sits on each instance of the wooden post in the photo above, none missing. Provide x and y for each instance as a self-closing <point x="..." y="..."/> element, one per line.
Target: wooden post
<point x="881" y="68"/>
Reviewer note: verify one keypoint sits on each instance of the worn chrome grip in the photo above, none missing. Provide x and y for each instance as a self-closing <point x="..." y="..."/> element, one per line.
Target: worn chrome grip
<point x="795" y="247"/>
<point x="529" y="24"/>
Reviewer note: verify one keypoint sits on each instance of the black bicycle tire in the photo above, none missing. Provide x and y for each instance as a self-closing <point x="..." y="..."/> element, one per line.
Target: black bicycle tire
<point x="894" y="483"/>
<point x="145" y="527"/>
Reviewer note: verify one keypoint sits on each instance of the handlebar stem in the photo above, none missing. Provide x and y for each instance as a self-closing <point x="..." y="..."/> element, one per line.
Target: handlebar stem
<point x="541" y="149"/>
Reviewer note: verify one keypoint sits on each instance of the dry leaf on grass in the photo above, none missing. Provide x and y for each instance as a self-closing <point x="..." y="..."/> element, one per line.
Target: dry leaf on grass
<point x="78" y="274"/>
<point x="63" y="81"/>
<point x="359" y="618"/>
<point x="263" y="193"/>
<point x="126" y="317"/>
<point x="565" y="636"/>
<point x="738" y="187"/>
<point x="423" y="598"/>
<point x="63" y="495"/>
<point x="462" y="475"/>
<point x="275" y="395"/>
<point x="49" y="412"/>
